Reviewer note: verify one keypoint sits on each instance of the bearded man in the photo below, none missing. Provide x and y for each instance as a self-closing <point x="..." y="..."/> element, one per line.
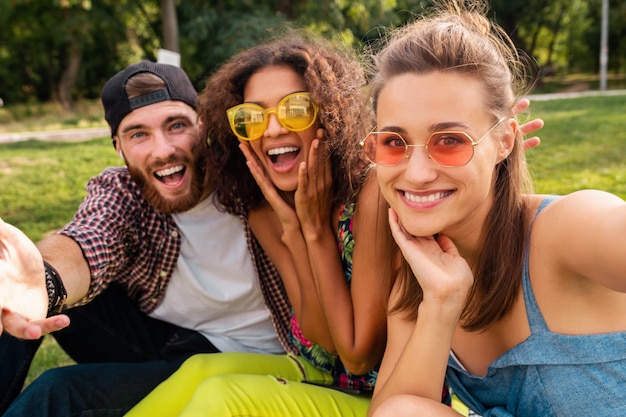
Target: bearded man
<point x="148" y="272"/>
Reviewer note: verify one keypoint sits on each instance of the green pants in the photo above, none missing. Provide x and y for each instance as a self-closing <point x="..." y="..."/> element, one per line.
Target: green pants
<point x="249" y="385"/>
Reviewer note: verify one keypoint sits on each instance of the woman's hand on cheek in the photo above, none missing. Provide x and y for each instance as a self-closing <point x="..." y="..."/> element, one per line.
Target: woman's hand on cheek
<point x="439" y="268"/>
<point x="284" y="212"/>
<point x="255" y="168"/>
<point x="314" y="194"/>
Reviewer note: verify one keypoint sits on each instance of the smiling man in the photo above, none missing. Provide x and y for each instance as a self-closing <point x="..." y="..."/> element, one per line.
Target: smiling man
<point x="149" y="271"/>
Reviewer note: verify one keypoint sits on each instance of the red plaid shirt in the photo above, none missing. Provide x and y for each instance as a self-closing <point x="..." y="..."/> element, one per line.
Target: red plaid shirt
<point x="127" y="241"/>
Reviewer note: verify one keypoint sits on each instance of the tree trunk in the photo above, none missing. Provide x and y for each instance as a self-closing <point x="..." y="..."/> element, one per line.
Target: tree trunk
<point x="68" y="77"/>
<point x="555" y="29"/>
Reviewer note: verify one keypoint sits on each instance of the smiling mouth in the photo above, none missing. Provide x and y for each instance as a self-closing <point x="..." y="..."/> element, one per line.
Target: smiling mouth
<point x="426" y="198"/>
<point x="283" y="156"/>
<point x="170" y="175"/>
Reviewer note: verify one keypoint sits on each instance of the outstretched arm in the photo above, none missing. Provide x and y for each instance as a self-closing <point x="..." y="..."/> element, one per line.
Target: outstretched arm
<point x="23" y="294"/>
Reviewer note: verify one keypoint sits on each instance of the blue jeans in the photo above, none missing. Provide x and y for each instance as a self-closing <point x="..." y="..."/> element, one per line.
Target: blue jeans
<point x="121" y="355"/>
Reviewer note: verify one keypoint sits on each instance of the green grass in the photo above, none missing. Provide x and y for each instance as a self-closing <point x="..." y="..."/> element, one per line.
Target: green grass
<point x="43" y="183"/>
<point x="583" y="146"/>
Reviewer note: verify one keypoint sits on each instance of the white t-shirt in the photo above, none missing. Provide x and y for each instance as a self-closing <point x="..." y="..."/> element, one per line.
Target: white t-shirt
<point x="214" y="288"/>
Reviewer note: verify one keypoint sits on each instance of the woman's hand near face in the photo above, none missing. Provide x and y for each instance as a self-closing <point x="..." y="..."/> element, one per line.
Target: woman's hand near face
<point x="314" y="193"/>
<point x="285" y="213"/>
<point x="443" y="274"/>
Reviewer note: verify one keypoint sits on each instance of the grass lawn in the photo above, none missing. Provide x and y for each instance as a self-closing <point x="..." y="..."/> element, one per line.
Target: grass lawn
<point x="583" y="146"/>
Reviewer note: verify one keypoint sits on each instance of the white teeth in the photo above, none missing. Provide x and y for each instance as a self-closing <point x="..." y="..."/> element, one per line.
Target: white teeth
<point x="424" y="199"/>
<point x="170" y="171"/>
<point x="280" y="151"/>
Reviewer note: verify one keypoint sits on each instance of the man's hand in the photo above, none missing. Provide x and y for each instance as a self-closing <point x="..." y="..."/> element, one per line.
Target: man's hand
<point x="22" y="328"/>
<point x="23" y="295"/>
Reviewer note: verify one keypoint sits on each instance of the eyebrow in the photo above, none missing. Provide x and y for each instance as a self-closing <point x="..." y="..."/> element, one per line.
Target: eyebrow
<point x="437" y="127"/>
<point x="167" y="121"/>
<point x="259" y="103"/>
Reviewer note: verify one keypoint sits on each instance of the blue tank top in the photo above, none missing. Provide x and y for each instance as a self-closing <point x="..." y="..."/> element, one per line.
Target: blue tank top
<point x="548" y="374"/>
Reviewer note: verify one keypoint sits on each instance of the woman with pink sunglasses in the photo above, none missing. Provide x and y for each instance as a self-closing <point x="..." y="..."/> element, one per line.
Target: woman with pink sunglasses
<point x="516" y="300"/>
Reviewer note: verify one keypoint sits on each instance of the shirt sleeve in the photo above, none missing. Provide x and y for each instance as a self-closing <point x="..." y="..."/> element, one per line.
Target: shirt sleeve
<point x="103" y="230"/>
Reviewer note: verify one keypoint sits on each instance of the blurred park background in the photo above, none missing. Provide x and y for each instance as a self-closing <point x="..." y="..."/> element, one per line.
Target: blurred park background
<point x="63" y="51"/>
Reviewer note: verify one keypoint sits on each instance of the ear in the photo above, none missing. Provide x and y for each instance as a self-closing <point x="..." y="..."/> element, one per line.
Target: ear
<point x="507" y="139"/>
<point x="118" y="148"/>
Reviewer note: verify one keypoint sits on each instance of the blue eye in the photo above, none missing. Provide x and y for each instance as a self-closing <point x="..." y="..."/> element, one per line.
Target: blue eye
<point x="137" y="135"/>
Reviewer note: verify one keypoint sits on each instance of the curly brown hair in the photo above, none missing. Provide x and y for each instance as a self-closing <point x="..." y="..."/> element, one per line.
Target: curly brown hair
<point x="335" y="79"/>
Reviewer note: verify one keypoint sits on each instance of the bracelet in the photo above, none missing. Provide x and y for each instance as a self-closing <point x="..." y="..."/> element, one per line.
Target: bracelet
<point x="56" y="291"/>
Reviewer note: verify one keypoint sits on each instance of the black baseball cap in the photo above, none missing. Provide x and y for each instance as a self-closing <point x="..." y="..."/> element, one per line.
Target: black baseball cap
<point x="117" y="104"/>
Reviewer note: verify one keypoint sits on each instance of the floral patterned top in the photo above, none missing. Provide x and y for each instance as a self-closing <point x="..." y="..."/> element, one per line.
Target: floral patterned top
<point x="314" y="353"/>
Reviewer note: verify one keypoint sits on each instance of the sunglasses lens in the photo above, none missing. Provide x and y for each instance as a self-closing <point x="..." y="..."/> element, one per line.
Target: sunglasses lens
<point x="384" y="148"/>
<point x="296" y="112"/>
<point x="450" y="149"/>
<point x="247" y="121"/>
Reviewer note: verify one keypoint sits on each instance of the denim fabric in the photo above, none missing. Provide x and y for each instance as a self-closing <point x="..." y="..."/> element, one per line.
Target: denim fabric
<point x="122" y="354"/>
<point x="90" y="390"/>
<point x="16" y="356"/>
<point x="549" y="374"/>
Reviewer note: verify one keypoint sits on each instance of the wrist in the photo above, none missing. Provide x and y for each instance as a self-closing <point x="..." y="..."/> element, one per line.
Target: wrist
<point x="317" y="233"/>
<point x="56" y="290"/>
<point x="448" y="311"/>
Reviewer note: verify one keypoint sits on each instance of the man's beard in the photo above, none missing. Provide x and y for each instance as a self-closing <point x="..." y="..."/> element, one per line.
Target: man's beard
<point x="183" y="203"/>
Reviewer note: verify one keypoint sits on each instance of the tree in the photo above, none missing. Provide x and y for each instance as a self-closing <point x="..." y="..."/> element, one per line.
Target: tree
<point x="66" y="49"/>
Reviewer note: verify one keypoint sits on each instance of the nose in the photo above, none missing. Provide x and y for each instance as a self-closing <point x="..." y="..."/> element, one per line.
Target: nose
<point x="420" y="167"/>
<point x="274" y="128"/>
<point x="163" y="145"/>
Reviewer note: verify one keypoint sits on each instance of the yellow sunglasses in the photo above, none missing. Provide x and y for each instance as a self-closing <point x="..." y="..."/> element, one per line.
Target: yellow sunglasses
<point x="295" y="112"/>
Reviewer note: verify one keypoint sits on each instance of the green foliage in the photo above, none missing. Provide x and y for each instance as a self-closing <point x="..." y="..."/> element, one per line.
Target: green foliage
<point x="36" y="41"/>
<point x="214" y="35"/>
<point x="38" y="38"/>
